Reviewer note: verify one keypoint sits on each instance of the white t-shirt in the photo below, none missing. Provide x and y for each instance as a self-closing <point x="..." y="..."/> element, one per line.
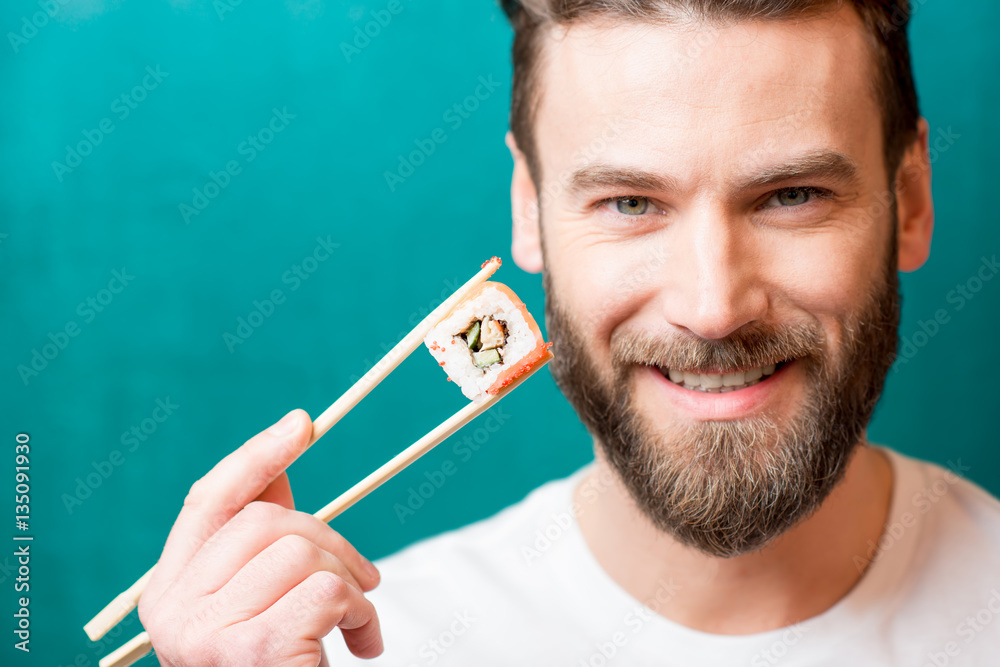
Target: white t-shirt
<point x="522" y="588"/>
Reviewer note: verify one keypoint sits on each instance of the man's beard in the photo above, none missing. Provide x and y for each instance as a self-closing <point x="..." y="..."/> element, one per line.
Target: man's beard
<point x="730" y="487"/>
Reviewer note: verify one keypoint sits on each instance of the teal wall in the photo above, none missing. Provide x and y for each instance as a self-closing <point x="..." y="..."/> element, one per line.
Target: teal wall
<point x="63" y="235"/>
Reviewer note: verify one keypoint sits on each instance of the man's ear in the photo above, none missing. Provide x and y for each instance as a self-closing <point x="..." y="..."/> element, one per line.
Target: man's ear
<point x="915" y="206"/>
<point x="526" y="246"/>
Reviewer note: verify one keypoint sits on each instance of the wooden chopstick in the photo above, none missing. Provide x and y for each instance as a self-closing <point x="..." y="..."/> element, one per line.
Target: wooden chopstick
<point x="122" y="605"/>
<point x="139" y="646"/>
<point x="400" y="351"/>
<point x="130" y="652"/>
<point x="419" y="448"/>
<point x="119" y="608"/>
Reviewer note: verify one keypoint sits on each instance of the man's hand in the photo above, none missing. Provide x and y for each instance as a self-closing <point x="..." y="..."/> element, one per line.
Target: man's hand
<point x="244" y="579"/>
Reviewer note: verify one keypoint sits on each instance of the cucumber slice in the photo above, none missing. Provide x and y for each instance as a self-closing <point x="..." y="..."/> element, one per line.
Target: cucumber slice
<point x="486" y="358"/>
<point x="472" y="335"/>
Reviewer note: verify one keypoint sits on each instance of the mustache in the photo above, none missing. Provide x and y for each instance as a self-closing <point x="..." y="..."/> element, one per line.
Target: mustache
<point x="756" y="345"/>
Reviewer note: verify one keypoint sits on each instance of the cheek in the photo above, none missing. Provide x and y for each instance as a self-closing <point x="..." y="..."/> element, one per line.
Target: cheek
<point x="823" y="276"/>
<point x="597" y="279"/>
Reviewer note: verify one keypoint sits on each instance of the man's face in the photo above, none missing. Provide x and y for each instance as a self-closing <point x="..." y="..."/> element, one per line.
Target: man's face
<point x="720" y="262"/>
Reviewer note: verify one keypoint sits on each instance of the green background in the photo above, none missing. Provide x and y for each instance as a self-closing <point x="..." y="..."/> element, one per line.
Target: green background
<point x="397" y="252"/>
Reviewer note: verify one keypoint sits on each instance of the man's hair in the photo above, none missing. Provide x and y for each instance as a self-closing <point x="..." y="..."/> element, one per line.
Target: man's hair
<point x="885" y="22"/>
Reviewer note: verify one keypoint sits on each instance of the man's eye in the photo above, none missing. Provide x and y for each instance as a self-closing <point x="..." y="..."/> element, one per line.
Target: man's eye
<point x="792" y="197"/>
<point x="632" y="205"/>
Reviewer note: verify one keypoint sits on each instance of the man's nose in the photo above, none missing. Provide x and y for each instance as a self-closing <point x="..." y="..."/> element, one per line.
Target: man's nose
<point x="714" y="285"/>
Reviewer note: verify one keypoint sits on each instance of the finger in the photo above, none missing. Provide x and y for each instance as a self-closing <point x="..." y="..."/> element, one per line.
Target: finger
<point x="278" y="492"/>
<point x="315" y="607"/>
<point x="226" y="489"/>
<point x="269" y="575"/>
<point x="250" y="532"/>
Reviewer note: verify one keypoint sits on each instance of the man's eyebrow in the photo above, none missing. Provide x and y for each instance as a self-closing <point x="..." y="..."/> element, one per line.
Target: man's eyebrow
<point x="829" y="165"/>
<point x="624" y="179"/>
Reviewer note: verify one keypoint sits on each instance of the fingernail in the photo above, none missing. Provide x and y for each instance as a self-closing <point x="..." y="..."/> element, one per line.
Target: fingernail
<point x="372" y="570"/>
<point x="284" y="427"/>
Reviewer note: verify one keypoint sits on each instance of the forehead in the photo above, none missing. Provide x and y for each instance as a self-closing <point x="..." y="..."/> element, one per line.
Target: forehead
<point x="705" y="100"/>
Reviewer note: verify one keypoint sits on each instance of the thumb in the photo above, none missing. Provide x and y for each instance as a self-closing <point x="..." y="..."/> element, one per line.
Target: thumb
<point x="279" y="492"/>
<point x="283" y="443"/>
<point x="232" y="484"/>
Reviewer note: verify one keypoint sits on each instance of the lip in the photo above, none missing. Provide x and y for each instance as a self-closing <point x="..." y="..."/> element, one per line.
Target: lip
<point x="728" y="405"/>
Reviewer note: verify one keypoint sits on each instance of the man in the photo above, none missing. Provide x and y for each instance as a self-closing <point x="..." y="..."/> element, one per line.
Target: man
<point x="720" y="195"/>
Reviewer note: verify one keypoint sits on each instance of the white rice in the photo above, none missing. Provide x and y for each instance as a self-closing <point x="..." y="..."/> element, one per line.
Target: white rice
<point x="456" y="356"/>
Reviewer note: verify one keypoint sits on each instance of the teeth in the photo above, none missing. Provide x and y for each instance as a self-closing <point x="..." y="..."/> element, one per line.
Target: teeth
<point x="719" y="382"/>
<point x="732" y="379"/>
<point x="711" y="381"/>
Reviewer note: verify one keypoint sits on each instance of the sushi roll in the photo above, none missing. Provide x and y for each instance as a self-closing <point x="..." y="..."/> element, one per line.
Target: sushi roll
<point x="487" y="341"/>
